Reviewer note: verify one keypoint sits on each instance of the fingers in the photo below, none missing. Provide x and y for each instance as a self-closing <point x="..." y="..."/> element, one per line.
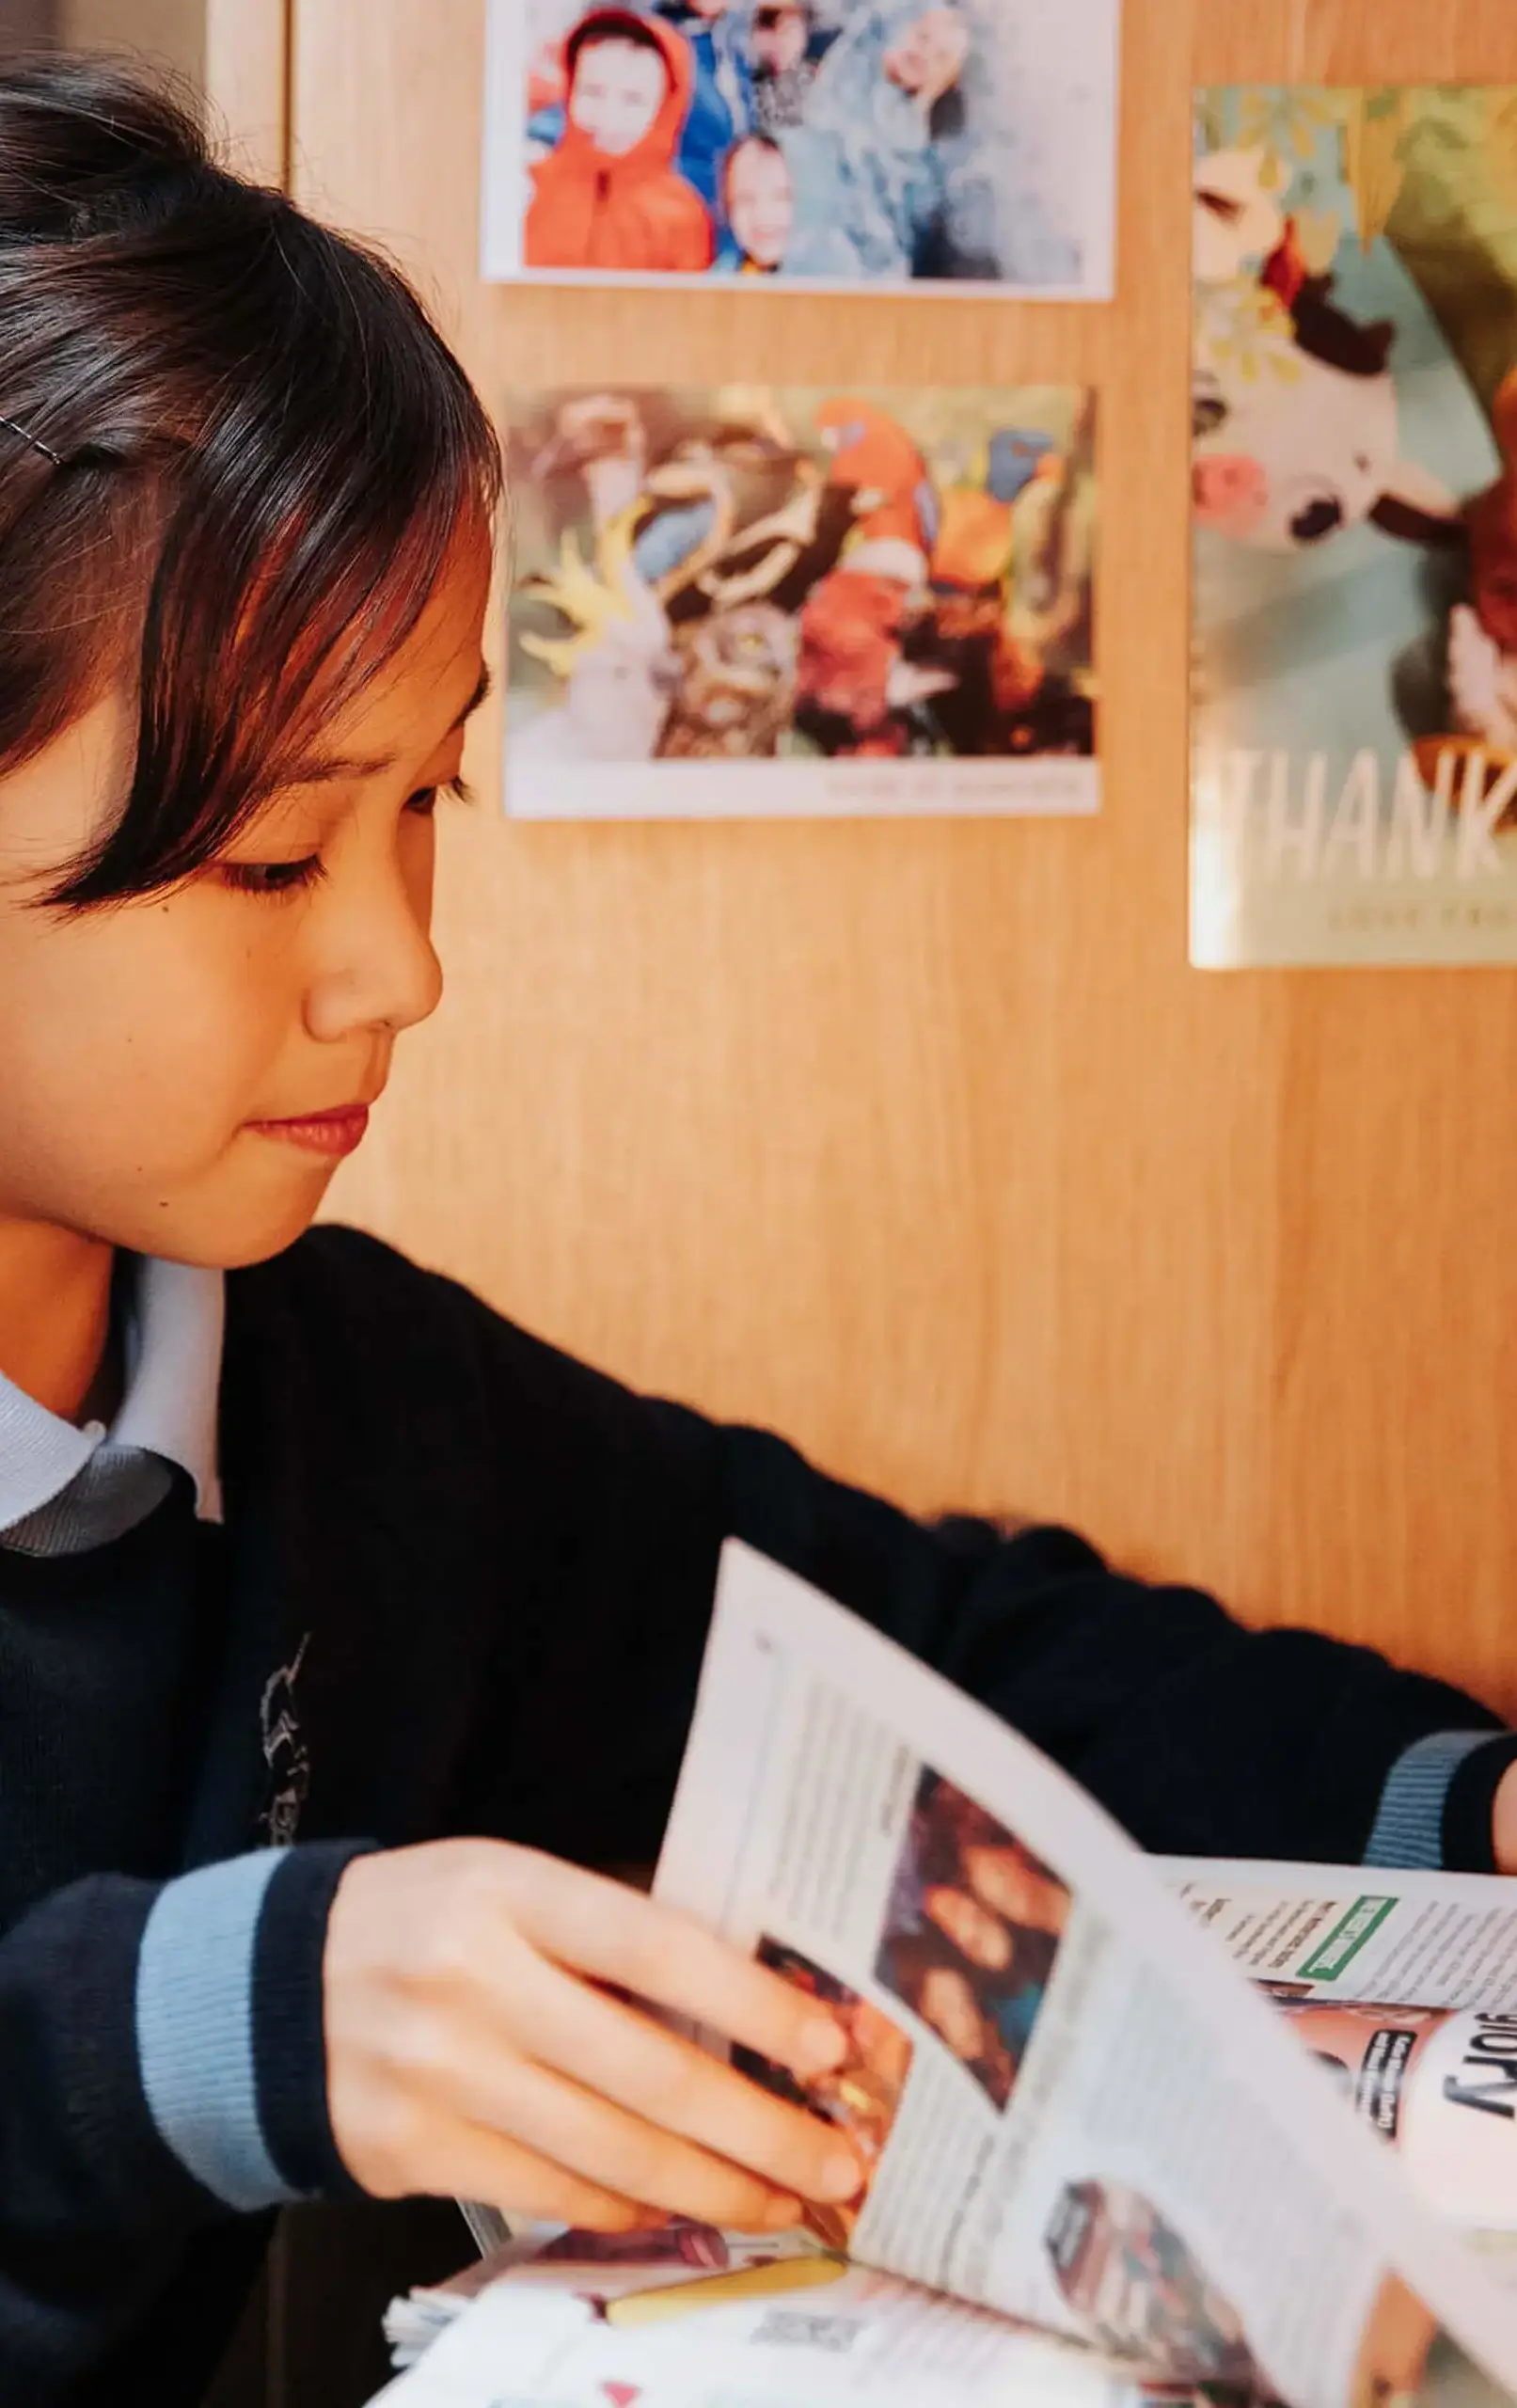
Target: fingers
<point x="474" y="2046"/>
<point x="620" y="2153"/>
<point x="666" y="2082"/>
<point x="615" y="1935"/>
<point x="469" y="2161"/>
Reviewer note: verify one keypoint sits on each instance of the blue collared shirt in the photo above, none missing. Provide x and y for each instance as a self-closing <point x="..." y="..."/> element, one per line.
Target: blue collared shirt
<point x="65" y="1490"/>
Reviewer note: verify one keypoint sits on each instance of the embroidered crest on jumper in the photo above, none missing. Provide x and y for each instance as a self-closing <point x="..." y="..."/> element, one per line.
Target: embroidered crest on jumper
<point x="284" y="1752"/>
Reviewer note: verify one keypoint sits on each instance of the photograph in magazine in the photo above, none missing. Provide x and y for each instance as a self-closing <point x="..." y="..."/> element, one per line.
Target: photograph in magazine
<point x="882" y="146"/>
<point x="965" y="1940"/>
<point x="970" y="1934"/>
<point x="861" y="2095"/>
<point x="1354" y="420"/>
<point x="752" y="601"/>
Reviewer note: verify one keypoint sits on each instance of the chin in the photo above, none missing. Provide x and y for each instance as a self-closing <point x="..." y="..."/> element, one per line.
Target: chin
<point x="235" y="1238"/>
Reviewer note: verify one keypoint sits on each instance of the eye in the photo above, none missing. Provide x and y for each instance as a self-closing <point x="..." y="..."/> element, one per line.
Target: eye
<point x="423" y="803"/>
<point x="272" y="878"/>
<point x="1208" y="412"/>
<point x="1317" y="519"/>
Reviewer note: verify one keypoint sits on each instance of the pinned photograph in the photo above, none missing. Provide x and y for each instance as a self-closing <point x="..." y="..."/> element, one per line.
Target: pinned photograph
<point x="757" y="601"/>
<point x="1354" y="496"/>
<point x="882" y="145"/>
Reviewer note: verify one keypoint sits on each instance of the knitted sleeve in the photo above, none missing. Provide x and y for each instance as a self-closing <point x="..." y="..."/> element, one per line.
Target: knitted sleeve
<point x="164" y="2068"/>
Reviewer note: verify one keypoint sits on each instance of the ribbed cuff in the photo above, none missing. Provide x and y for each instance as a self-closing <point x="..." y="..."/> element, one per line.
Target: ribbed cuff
<point x="229" y="2026"/>
<point x="1411" y="1831"/>
<point x="289" y="2035"/>
<point x="1470" y="1807"/>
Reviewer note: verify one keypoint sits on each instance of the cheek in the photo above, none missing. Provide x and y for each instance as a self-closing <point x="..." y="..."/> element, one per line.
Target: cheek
<point x="142" y="1037"/>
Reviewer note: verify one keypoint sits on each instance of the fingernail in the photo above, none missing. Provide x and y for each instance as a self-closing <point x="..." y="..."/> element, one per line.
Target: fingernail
<point x="841" y="2175"/>
<point x="823" y="2044"/>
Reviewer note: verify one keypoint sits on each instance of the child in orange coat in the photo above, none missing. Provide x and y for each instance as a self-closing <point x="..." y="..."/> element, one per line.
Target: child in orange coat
<point x="609" y="196"/>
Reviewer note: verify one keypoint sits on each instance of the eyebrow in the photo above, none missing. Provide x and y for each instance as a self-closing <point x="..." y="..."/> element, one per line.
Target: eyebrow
<point x="328" y="768"/>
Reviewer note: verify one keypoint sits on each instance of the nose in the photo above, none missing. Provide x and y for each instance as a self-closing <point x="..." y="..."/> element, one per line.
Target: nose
<point x="378" y="967"/>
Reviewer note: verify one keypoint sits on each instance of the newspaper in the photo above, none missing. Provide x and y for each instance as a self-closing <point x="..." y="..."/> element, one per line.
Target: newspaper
<point x="1077" y="2114"/>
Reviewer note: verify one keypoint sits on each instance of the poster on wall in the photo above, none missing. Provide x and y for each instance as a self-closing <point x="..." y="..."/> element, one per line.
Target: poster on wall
<point x="884" y="145"/>
<point x="779" y="601"/>
<point x="1354" y="498"/>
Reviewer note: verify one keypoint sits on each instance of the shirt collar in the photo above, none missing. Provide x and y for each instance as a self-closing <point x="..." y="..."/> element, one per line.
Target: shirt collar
<point x="174" y="1325"/>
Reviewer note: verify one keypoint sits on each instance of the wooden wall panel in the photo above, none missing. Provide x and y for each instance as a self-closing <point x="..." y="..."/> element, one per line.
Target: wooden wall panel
<point x="246" y="46"/>
<point x="920" y="1142"/>
<point x="171" y="32"/>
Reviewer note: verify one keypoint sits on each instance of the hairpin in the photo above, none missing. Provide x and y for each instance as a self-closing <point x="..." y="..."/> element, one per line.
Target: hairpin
<point x="36" y="442"/>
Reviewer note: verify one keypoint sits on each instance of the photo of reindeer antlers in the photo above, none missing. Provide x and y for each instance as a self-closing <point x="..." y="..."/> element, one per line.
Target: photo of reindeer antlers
<point x="750" y="600"/>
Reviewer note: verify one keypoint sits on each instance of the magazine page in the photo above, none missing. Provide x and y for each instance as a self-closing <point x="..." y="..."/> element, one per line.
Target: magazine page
<point x="856" y="146"/>
<point x="1360" y="1932"/>
<point x="1354" y="414"/>
<point x="1405" y="1992"/>
<point x="1073" y="2109"/>
<point x="772" y="601"/>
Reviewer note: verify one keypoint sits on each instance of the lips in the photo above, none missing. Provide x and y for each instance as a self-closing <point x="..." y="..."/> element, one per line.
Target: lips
<point x="334" y="1133"/>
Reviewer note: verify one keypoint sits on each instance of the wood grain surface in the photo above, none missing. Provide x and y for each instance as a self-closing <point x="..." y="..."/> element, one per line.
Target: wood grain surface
<point x="247" y="76"/>
<point x="920" y="1141"/>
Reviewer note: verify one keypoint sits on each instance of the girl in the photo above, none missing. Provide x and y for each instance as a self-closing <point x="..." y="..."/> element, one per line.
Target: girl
<point x="300" y="1543"/>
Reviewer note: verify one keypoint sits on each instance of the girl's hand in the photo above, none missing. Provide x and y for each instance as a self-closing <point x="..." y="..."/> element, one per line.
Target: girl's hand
<point x="471" y="2051"/>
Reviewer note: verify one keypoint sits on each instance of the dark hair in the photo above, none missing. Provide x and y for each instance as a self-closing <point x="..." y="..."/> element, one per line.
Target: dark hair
<point x="907" y="1963"/>
<point x="249" y="454"/>
<point x="909" y="1959"/>
<point x="612" y="25"/>
<point x="754" y="141"/>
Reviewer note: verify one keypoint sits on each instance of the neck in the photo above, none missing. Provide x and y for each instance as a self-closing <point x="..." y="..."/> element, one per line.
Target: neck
<point x="56" y="1317"/>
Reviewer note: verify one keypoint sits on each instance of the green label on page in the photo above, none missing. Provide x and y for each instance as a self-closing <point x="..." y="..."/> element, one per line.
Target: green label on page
<point x="1344" y="1941"/>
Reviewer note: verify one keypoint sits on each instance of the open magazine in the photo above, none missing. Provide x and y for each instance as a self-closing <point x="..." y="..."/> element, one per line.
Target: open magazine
<point x="1104" y="2167"/>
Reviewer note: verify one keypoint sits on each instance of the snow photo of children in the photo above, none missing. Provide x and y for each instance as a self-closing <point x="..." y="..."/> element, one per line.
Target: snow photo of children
<point x="753" y="600"/>
<point x="883" y="144"/>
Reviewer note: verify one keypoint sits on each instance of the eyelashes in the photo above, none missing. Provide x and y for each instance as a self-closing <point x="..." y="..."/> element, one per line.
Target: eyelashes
<point x="274" y="881"/>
